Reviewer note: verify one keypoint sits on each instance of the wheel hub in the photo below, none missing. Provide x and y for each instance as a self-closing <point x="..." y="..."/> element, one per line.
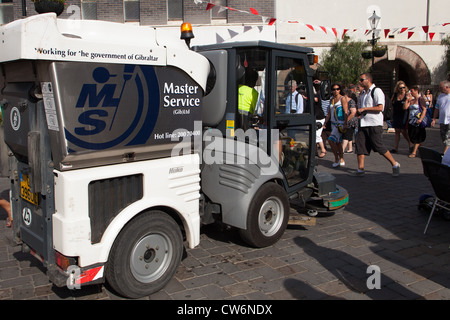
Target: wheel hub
<point x="150" y="257"/>
<point x="270" y="216"/>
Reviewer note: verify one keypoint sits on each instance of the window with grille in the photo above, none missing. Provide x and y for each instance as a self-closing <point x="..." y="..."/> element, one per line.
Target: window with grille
<point x="6" y="11"/>
<point x="131" y="10"/>
<point x="89" y="9"/>
<point x="175" y="10"/>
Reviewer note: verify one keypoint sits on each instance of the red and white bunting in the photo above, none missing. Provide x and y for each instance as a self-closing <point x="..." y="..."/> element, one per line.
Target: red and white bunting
<point x="387" y="31"/>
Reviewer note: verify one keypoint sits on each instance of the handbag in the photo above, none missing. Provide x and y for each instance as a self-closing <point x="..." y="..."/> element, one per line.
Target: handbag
<point x="426" y="121"/>
<point x="416" y="116"/>
<point x="339" y="116"/>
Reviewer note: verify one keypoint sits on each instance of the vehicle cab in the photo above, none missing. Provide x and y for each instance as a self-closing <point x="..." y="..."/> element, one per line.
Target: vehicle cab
<point x="281" y="122"/>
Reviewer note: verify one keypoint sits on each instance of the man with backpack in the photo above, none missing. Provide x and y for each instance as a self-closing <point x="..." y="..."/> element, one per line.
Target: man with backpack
<point x="294" y="101"/>
<point x="370" y="132"/>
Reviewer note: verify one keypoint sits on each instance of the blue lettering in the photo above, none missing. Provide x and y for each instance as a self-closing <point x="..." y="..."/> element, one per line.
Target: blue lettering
<point x="89" y="92"/>
<point x="87" y="119"/>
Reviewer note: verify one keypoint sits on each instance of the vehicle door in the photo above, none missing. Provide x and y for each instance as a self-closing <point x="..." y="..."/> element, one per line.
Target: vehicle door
<point x="292" y="113"/>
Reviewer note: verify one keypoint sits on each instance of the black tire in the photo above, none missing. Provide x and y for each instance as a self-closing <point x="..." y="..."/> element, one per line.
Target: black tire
<point x="268" y="216"/>
<point x="145" y="255"/>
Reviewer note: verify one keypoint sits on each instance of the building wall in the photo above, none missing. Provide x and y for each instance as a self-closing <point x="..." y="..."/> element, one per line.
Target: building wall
<point x="290" y="27"/>
<point x="154" y="12"/>
<point x="237" y="27"/>
<point x="350" y="14"/>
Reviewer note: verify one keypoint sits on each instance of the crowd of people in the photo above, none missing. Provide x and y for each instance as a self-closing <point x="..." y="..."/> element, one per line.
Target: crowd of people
<point x="356" y="113"/>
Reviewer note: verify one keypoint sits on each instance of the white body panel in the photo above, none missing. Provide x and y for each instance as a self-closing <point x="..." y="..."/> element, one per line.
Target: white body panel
<point x="44" y="37"/>
<point x="178" y="189"/>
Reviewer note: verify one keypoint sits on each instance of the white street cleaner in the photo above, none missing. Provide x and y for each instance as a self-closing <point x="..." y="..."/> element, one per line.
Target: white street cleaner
<point x="121" y="150"/>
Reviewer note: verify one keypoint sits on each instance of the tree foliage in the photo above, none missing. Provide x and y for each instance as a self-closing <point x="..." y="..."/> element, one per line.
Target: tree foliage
<point x="446" y="42"/>
<point x="344" y="61"/>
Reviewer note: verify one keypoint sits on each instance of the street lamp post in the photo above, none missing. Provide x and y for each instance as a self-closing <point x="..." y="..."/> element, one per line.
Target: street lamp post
<point x="374" y="19"/>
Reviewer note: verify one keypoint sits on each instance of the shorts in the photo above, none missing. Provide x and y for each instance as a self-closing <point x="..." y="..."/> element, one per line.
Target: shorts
<point x="348" y="135"/>
<point x="368" y="139"/>
<point x="319" y="131"/>
<point x="444" y="129"/>
<point x="335" y="135"/>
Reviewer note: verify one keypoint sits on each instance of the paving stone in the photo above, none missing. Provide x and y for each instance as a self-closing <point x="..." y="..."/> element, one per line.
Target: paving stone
<point x="381" y="226"/>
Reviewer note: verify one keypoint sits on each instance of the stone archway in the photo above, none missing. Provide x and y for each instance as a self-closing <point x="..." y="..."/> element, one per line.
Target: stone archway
<point x="417" y="64"/>
<point x="402" y="64"/>
<point x="408" y="65"/>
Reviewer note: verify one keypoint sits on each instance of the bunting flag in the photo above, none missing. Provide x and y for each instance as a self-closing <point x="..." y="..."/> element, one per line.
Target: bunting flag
<point x="387" y="31"/>
<point x="254" y="11"/>
<point x="334" y="31"/>
<point x="344" y="32"/>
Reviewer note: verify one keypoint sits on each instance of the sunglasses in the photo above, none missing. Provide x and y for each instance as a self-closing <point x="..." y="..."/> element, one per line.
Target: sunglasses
<point x="402" y="87"/>
<point x="335" y="89"/>
<point x="362" y="79"/>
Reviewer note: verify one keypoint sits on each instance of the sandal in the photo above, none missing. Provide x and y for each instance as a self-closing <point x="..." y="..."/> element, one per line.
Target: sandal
<point x="322" y="154"/>
<point x="9" y="222"/>
<point x="412" y="155"/>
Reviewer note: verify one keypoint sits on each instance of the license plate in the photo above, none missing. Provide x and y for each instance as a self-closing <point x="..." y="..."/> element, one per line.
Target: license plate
<point x="25" y="191"/>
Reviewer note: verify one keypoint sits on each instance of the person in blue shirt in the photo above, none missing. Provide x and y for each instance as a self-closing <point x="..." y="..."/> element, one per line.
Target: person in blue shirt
<point x="294" y="101"/>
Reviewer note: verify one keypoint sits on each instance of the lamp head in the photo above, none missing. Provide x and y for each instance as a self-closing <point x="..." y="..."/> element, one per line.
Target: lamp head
<point x="374" y="19"/>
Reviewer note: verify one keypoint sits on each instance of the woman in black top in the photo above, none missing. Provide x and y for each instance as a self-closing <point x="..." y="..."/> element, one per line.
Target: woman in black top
<point x="400" y="115"/>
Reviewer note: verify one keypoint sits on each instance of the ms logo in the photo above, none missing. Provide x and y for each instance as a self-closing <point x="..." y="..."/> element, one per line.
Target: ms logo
<point x="116" y="105"/>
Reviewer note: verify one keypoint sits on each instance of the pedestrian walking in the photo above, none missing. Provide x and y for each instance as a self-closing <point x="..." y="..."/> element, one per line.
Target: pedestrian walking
<point x="352" y="121"/>
<point x="370" y="131"/>
<point x="400" y="115"/>
<point x="442" y="110"/>
<point x="337" y="114"/>
<point x="417" y="113"/>
<point x="320" y="121"/>
<point x="7" y="207"/>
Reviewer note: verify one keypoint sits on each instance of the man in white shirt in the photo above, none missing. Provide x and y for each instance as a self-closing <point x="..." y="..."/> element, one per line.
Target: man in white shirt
<point x="442" y="108"/>
<point x="370" y="132"/>
<point x="294" y="101"/>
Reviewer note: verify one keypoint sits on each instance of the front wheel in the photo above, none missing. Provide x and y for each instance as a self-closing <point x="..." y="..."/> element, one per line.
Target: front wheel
<point x="268" y="216"/>
<point x="145" y="255"/>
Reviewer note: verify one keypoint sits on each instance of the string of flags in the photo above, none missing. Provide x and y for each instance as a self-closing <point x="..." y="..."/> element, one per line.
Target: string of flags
<point x="409" y="31"/>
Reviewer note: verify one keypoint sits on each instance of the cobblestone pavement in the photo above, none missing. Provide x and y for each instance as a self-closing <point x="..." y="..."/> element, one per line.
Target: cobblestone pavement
<point x="381" y="226"/>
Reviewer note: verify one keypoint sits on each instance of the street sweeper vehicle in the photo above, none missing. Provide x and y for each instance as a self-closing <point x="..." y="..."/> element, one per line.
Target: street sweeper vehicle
<point x="121" y="148"/>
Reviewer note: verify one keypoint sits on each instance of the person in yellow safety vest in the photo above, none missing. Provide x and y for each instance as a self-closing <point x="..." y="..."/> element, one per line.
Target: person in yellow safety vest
<point x="247" y="97"/>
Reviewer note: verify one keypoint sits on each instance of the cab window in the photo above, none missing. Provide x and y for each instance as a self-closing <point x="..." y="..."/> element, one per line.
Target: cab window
<point x="251" y="68"/>
<point x="293" y="119"/>
<point x="292" y="93"/>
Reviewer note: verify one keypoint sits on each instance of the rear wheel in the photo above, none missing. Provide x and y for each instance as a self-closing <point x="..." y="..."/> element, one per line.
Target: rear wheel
<point x="145" y="255"/>
<point x="268" y="216"/>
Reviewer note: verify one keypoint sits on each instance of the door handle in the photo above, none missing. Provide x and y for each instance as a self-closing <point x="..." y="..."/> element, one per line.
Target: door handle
<point x="282" y="123"/>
